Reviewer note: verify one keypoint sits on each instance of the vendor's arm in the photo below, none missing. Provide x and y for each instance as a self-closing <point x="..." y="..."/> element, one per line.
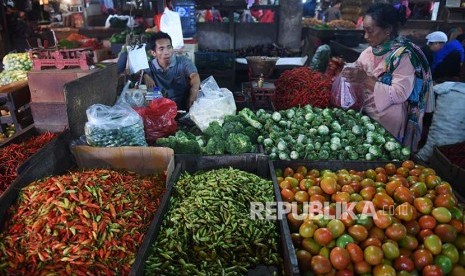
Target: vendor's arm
<point x="401" y="87"/>
<point x="194" y="88"/>
<point x="149" y="82"/>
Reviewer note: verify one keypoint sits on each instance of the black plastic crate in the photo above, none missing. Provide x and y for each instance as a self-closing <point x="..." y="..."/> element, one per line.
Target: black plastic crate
<point x="448" y="171"/>
<point x="257" y="164"/>
<point x="54" y="159"/>
<point x="215" y="60"/>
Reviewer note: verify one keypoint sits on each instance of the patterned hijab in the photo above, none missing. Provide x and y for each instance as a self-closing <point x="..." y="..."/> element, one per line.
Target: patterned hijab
<point x="422" y="98"/>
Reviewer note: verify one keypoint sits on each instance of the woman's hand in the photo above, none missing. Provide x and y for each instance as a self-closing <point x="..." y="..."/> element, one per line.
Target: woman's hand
<point x="354" y="74"/>
<point x="358" y="75"/>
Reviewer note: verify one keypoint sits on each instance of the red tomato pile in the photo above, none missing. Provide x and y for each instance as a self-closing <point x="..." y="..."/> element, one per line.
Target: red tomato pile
<point x="416" y="227"/>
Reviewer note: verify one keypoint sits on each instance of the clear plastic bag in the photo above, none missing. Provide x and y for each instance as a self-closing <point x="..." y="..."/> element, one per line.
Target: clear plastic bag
<point x="115" y="126"/>
<point x="212" y="104"/>
<point x="347" y="95"/>
<point x="132" y="97"/>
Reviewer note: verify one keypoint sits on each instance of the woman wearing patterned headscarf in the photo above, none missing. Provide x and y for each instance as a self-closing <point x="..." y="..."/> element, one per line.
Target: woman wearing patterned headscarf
<point x="395" y="74"/>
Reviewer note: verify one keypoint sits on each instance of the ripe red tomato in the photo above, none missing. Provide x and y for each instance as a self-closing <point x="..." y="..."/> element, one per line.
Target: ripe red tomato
<point x="422" y="258"/>
<point x="404" y="263"/>
<point x="432" y="270"/>
<point x="358" y="232"/>
<point x="320" y="265"/>
<point x="396" y="231"/>
<point x="355" y="252"/>
<point x="340" y="258"/>
<point x="323" y="236"/>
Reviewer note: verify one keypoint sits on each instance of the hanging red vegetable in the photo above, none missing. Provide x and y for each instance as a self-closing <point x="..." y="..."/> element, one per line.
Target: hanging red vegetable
<point x="301" y="86"/>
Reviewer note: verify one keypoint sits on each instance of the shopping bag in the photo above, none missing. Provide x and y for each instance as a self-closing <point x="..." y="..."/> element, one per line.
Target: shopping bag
<point x="137" y="58"/>
<point x="346" y="95"/>
<point x="170" y="23"/>
<point x="159" y="119"/>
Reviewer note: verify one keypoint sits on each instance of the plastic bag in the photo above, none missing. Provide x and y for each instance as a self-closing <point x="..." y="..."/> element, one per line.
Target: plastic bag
<point x="132" y="97"/>
<point x="212" y="104"/>
<point x="170" y="23"/>
<point x="115" y="126"/>
<point x="159" y="118"/>
<point x="347" y="95"/>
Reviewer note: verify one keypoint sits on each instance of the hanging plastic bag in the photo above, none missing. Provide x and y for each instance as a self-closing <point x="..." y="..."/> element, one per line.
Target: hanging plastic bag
<point x="170" y="23"/>
<point x="159" y="119"/>
<point x="114" y="126"/>
<point x="137" y="58"/>
<point x="346" y="95"/>
<point x="212" y="104"/>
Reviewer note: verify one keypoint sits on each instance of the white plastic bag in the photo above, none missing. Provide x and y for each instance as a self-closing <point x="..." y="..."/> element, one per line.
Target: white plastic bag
<point x="137" y="58"/>
<point x="129" y="24"/>
<point x="212" y="104"/>
<point x="170" y="23"/>
<point x="115" y="126"/>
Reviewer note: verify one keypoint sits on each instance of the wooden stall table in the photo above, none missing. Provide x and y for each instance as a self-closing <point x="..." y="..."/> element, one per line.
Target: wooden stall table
<point x="15" y="97"/>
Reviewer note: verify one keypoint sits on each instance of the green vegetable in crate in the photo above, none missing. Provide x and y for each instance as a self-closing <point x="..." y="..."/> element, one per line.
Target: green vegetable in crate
<point x="114" y="126"/>
<point x="64" y="43"/>
<point x="238" y="143"/>
<point x="208" y="230"/>
<point x="10" y="76"/>
<point x="182" y="142"/>
<point x="17" y="62"/>
<point x="314" y="133"/>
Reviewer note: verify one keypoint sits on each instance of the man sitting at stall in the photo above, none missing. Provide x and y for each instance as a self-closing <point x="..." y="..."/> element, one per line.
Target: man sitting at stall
<point x="176" y="76"/>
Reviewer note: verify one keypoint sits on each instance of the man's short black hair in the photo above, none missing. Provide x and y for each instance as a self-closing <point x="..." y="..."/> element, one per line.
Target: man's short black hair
<point x="158" y="36"/>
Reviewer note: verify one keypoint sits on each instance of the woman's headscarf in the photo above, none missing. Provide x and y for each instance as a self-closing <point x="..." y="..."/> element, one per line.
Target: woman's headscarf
<point x="421" y="99"/>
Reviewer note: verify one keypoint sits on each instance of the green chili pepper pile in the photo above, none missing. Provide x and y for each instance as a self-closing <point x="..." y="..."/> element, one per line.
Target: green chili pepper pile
<point x="79" y="223"/>
<point x="208" y="229"/>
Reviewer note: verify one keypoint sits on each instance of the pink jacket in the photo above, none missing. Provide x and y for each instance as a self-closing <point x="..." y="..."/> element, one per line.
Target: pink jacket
<point x="387" y="104"/>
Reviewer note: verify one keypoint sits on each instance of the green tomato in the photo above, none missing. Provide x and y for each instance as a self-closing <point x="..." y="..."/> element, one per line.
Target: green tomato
<point x="343" y="240"/>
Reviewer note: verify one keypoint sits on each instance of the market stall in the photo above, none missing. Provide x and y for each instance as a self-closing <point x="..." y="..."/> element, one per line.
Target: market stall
<point x="289" y="176"/>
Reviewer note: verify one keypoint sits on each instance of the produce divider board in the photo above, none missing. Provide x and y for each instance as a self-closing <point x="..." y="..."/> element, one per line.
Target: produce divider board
<point x="255" y="164"/>
<point x="54" y="159"/>
<point x="322" y="165"/>
<point x="142" y="160"/>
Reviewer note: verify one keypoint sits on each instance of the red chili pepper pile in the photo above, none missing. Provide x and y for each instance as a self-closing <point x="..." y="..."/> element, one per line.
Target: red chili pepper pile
<point x="455" y="154"/>
<point x="302" y="86"/>
<point x="13" y="155"/>
<point x="81" y="223"/>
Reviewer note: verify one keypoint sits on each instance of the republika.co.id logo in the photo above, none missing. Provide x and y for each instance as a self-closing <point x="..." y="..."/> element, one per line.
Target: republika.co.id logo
<point x="315" y="209"/>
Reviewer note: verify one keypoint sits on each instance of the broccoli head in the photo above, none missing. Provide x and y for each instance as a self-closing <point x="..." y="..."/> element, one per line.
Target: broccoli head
<point x="215" y="146"/>
<point x="232" y="127"/>
<point x="213" y="129"/>
<point x="252" y="133"/>
<point x="238" y="143"/>
<point x="251" y="118"/>
<point x="181" y="142"/>
<point x="235" y="118"/>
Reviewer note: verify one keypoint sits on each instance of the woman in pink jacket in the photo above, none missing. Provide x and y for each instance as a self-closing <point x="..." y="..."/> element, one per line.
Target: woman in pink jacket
<point x="395" y="73"/>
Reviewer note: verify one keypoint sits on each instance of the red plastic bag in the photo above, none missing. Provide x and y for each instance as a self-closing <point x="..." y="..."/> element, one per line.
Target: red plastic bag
<point x="346" y="95"/>
<point x="159" y="119"/>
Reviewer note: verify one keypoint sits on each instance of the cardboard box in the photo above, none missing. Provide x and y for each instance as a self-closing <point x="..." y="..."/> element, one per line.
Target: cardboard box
<point x="142" y="160"/>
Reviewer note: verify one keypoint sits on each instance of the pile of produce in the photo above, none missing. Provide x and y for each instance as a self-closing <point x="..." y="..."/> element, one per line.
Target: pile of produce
<point x="79" y="223"/>
<point x="79" y="41"/>
<point x="13" y="155"/>
<point x="405" y="219"/>
<point x="235" y="136"/>
<point x="455" y="154"/>
<point x="301" y="86"/>
<point x="15" y="67"/>
<point x="208" y="229"/>
<point x="10" y="129"/>
<point x="331" y="133"/>
<point x="342" y="24"/>
<point x="311" y="22"/>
